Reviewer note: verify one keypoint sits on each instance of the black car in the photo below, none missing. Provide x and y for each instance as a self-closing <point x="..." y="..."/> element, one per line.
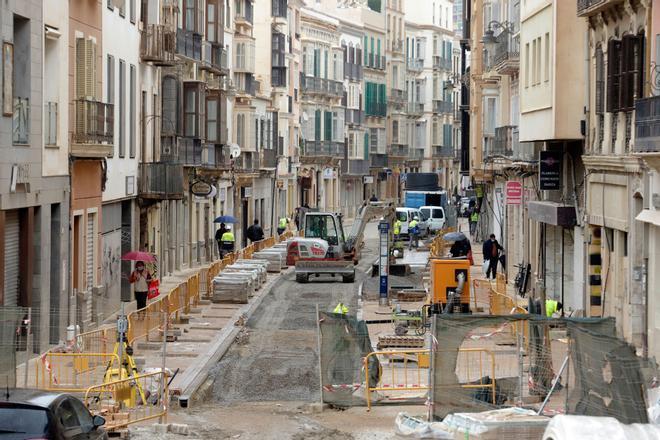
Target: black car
<point x="32" y="414"/>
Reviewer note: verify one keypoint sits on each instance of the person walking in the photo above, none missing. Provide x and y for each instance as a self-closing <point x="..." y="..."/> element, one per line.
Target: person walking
<point x="413" y="232"/>
<point x="491" y="249"/>
<point x="373" y="198"/>
<point x="218" y="236"/>
<point x="397" y="229"/>
<point x="473" y="219"/>
<point x="228" y="241"/>
<point x="282" y="224"/>
<point x="140" y="279"/>
<point x="255" y="232"/>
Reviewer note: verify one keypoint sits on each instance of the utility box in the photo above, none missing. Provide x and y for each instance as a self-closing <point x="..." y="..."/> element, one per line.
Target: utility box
<point x="444" y="279"/>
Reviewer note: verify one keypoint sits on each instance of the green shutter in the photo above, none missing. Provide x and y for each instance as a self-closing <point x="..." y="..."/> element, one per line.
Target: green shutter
<point x="317" y="62"/>
<point x="328" y="126"/>
<point x="366" y="47"/>
<point x="372" y="45"/>
<point x="366" y="145"/>
<point x="317" y="125"/>
<point x="326" y="65"/>
<point x="382" y="99"/>
<point x="378" y="48"/>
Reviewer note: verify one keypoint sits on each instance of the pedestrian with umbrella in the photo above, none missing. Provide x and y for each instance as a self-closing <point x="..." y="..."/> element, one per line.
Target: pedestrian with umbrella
<point x="223" y="220"/>
<point x="140" y="278"/>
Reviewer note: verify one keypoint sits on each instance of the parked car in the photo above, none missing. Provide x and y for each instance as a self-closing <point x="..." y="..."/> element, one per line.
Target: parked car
<point x="405" y="215"/>
<point x="435" y="217"/>
<point x="33" y="414"/>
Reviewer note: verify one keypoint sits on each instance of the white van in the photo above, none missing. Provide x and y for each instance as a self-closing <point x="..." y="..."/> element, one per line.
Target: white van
<point x="435" y="217"/>
<point x="405" y="215"/>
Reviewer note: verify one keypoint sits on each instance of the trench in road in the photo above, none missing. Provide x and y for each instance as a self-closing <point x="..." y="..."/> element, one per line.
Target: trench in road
<point x="280" y="360"/>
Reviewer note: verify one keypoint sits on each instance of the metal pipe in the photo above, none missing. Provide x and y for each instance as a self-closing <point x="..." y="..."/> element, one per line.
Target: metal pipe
<point x="555" y="381"/>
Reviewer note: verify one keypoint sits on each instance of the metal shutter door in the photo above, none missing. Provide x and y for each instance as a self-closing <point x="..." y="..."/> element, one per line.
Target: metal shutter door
<point x="89" y="251"/>
<point x="11" y="258"/>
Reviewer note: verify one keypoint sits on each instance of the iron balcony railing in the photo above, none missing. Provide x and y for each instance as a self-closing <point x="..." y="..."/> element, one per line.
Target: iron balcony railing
<point x="397" y="46"/>
<point x="355" y="167"/>
<point x="503" y="141"/>
<point x="269" y="158"/>
<point x="417" y="153"/>
<point x="415" y="107"/>
<point x="442" y="152"/>
<point x="378" y="109"/>
<point x="247" y="86"/>
<point x="584" y="7"/>
<point x="313" y="84"/>
<point x="506" y="50"/>
<point x="247" y="162"/>
<point x="157" y="45"/>
<point x="161" y="180"/>
<point x="214" y="57"/>
<point x="324" y="148"/>
<point x="647" y="125"/>
<point x="94" y="122"/>
<point x="398" y="150"/>
<point x="354" y="116"/>
<point x="21" y="121"/>
<point x="378" y="160"/>
<point x="440" y="106"/>
<point x="353" y="72"/>
<point x="51" y="118"/>
<point x="416" y="64"/>
<point x="189" y="44"/>
<point x="441" y="63"/>
<point x="397" y="95"/>
<point x="376" y="61"/>
<point x="193" y="153"/>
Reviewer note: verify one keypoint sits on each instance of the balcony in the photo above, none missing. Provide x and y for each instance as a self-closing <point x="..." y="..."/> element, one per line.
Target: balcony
<point x="440" y="106"/>
<point x="354" y="117"/>
<point x="247" y="163"/>
<point x="440" y="152"/>
<point x="353" y="72"/>
<point x="398" y="151"/>
<point x="323" y="148"/>
<point x="397" y="46"/>
<point x="192" y="153"/>
<point x="21" y="121"/>
<point x="378" y="160"/>
<point x="502" y="145"/>
<point x="93" y="129"/>
<point x="51" y="123"/>
<point x="245" y="15"/>
<point x="376" y="109"/>
<point x="415" y="64"/>
<point x="506" y="58"/>
<point x="246" y="85"/>
<point x="416" y="153"/>
<point x="161" y="181"/>
<point x="189" y="44"/>
<point x="321" y="86"/>
<point x="647" y="125"/>
<point x="415" y="108"/>
<point x="376" y="62"/>
<point x="398" y="96"/>
<point x="589" y="8"/>
<point x="269" y="158"/>
<point x="441" y="63"/>
<point x="214" y="58"/>
<point x="157" y="45"/>
<point x="354" y="167"/>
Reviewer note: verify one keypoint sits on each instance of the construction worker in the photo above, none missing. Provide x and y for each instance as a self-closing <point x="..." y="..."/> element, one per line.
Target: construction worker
<point x="474" y="219"/>
<point x="228" y="241"/>
<point x="397" y="229"/>
<point x="552" y="307"/>
<point x="341" y="309"/>
<point x="413" y="232"/>
<point x="281" y="226"/>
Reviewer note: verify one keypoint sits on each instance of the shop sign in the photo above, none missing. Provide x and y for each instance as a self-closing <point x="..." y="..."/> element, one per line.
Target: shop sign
<point x="328" y="173"/>
<point x="201" y="188"/>
<point x="550" y="170"/>
<point x="368" y="179"/>
<point x="247" y="191"/>
<point x="514" y="193"/>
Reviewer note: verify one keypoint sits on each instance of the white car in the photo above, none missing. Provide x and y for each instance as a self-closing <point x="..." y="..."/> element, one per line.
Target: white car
<point x="435" y="217"/>
<point x="405" y="215"/>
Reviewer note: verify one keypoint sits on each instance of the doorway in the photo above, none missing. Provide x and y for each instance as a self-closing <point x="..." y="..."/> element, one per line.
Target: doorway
<point x="244" y="221"/>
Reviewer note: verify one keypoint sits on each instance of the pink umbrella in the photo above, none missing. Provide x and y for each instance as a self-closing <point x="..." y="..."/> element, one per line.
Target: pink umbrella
<point x="138" y="256"/>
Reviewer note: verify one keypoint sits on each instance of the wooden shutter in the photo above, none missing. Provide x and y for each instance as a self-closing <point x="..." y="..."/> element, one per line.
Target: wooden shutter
<point x="600" y="81"/>
<point x="85" y="68"/>
<point x="317" y="125"/>
<point x="328" y="126"/>
<point x="640" y="64"/>
<point x="627" y="74"/>
<point x="613" y="75"/>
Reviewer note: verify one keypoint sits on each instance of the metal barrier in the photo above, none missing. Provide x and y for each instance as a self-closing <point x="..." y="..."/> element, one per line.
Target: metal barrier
<point x="72" y="372"/>
<point x="401" y="380"/>
<point x="101" y="340"/>
<point x="119" y="401"/>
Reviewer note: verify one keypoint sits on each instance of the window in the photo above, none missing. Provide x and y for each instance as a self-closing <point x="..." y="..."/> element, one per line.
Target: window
<point x="228" y="15"/>
<point x="192" y="109"/>
<point x="131" y="111"/>
<point x="527" y="71"/>
<point x="279" y="8"/>
<point x="613" y="75"/>
<point x="122" y="108"/>
<point x="547" y="58"/>
<point x="213" y="19"/>
<point x="212" y="120"/>
<point x="110" y="79"/>
<point x="600" y="81"/>
<point x="132" y="11"/>
<point x="395" y="132"/>
<point x="170" y="103"/>
<point x="240" y="130"/>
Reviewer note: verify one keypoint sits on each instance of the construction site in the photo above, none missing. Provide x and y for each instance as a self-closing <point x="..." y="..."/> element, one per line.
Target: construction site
<point x="246" y="349"/>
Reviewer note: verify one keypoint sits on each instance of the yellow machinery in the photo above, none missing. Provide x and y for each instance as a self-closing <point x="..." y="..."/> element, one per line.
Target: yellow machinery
<point x="450" y="278"/>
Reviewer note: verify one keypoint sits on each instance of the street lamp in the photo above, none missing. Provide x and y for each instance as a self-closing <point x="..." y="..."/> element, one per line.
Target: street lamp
<point x="490" y="39"/>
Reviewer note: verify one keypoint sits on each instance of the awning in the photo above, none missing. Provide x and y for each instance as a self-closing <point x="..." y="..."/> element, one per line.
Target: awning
<point x="552" y="213"/>
<point x="649" y="216"/>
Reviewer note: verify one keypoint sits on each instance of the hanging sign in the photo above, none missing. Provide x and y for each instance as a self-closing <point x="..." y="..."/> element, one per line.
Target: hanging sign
<point x="550" y="170"/>
<point x="514" y="193"/>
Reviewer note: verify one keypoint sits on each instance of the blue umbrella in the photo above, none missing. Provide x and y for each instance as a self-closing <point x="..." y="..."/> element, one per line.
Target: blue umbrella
<point x="225" y="219"/>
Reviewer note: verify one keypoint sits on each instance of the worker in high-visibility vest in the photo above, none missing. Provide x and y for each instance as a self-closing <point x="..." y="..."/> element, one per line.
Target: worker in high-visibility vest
<point x="228" y="241"/>
<point x="473" y="220"/>
<point x="341" y="309"/>
<point x="413" y="232"/>
<point x="281" y="226"/>
<point x="397" y="229"/>
<point x="552" y="307"/>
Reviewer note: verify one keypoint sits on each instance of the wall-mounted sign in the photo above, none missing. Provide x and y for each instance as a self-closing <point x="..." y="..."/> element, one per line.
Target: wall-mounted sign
<point x="247" y="191"/>
<point x="368" y="179"/>
<point x="514" y="193"/>
<point x="223" y="194"/>
<point x="201" y="188"/>
<point x="550" y="170"/>
<point x="130" y="185"/>
<point x="329" y="173"/>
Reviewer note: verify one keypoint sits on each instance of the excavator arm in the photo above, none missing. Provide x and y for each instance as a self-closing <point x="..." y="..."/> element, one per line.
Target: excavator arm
<point x="367" y="212"/>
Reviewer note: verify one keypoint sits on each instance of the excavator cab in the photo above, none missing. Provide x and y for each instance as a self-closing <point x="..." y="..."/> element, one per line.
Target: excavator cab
<point x="328" y="227"/>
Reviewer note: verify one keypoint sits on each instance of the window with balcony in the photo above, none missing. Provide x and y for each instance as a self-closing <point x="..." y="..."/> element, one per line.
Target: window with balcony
<point x="193" y="16"/>
<point x="170" y="106"/>
<point x="395" y="132"/>
<point x="278" y="60"/>
<point x="215" y="119"/>
<point x="193" y="109"/>
<point x="214" y="31"/>
<point x="375" y="99"/>
<point x="279" y="8"/>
